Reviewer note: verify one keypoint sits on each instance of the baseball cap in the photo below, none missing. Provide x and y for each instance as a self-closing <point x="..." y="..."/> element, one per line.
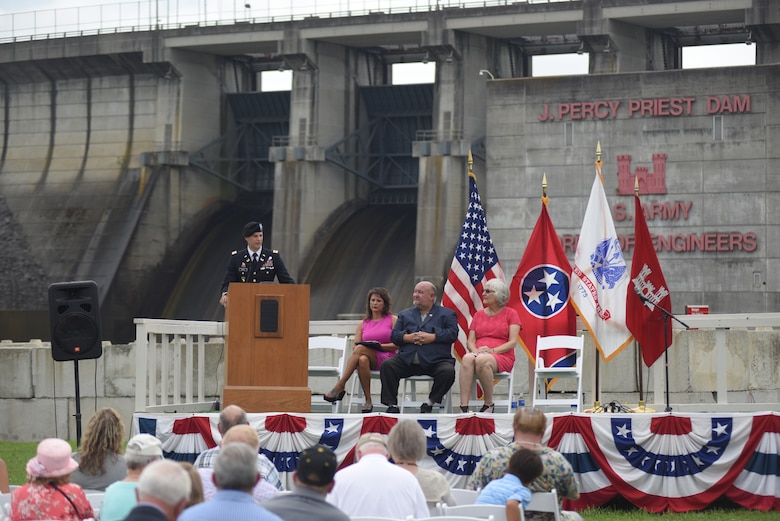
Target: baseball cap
<point x="316" y="466"/>
<point x="144" y="445"/>
<point x="371" y="437"/>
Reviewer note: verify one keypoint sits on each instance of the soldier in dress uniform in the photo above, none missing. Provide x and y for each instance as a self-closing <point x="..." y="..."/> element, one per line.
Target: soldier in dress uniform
<point x="254" y="263"/>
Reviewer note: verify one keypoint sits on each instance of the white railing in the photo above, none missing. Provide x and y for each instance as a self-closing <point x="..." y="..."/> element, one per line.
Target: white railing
<point x="167" y="348"/>
<point x="720" y="323"/>
<point x="171" y="347"/>
<point x="150" y="15"/>
<point x="163" y="343"/>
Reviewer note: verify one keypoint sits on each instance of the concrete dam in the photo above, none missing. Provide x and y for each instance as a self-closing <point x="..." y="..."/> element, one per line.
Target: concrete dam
<point x="133" y="158"/>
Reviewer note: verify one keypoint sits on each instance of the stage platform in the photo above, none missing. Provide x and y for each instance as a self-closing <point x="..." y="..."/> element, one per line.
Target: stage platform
<point x="659" y="462"/>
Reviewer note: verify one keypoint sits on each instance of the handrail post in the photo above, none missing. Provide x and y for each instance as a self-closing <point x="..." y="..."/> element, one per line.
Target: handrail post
<point x="141" y="347"/>
<point x="721" y="366"/>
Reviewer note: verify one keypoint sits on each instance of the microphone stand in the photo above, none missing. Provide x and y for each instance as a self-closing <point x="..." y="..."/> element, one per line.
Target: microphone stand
<point x="667" y="316"/>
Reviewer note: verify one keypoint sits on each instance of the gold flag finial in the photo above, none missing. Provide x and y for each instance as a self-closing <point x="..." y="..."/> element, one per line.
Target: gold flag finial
<point x="544" y="189"/>
<point x="598" y="161"/>
<point x="471" y="162"/>
<point x="636" y="185"/>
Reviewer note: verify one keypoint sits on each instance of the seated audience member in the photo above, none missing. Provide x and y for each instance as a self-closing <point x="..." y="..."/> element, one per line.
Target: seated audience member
<point x="49" y="494"/>
<point x="120" y="498"/>
<point x="248" y="436"/>
<point x="313" y="479"/>
<point x="4" y="486"/>
<point x="529" y="424"/>
<point x="196" y="494"/>
<point x="375" y="487"/>
<point x="163" y="491"/>
<point x="406" y="442"/>
<point x="235" y="473"/>
<point x="491" y="344"/>
<point x="376" y="326"/>
<point x="230" y="416"/>
<point x="525" y="465"/>
<point x="100" y="454"/>
<point x="424" y="334"/>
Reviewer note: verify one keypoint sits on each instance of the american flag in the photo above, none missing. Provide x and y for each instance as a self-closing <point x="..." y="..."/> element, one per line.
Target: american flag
<point x="475" y="262"/>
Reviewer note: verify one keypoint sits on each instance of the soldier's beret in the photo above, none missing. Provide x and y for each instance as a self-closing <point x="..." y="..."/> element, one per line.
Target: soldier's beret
<point x="252" y="228"/>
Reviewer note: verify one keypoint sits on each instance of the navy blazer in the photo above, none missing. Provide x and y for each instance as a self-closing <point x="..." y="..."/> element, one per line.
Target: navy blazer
<point x="440" y="321"/>
<point x="240" y="268"/>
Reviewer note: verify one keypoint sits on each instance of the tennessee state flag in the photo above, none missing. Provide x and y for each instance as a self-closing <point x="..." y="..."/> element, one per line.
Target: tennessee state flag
<point x="539" y="292"/>
<point x="643" y="318"/>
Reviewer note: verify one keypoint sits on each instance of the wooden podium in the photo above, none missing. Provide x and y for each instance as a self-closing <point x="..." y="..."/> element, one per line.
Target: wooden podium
<point x="267" y="348"/>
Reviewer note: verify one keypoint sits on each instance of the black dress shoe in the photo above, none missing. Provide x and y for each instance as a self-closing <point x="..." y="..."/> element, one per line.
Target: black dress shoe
<point x="426" y="408"/>
<point x="392" y="409"/>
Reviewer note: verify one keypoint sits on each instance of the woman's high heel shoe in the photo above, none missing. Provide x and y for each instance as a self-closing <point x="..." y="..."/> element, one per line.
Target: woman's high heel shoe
<point x="333" y="396"/>
<point x="488" y="408"/>
<point x="464" y="408"/>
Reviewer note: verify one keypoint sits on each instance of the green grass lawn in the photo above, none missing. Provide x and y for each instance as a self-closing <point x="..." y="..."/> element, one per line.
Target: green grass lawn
<point x="16" y="454"/>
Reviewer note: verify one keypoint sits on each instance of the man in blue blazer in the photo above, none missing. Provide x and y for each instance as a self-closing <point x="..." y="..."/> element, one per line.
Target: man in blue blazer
<point x="424" y="334"/>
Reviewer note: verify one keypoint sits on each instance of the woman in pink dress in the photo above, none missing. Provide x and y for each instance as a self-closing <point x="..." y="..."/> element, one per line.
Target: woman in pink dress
<point x="49" y="494"/>
<point x="376" y="327"/>
<point x="491" y="344"/>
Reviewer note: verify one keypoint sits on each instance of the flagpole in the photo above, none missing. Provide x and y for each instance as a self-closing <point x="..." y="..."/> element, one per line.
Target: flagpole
<point x="641" y="403"/>
<point x="597" y="393"/>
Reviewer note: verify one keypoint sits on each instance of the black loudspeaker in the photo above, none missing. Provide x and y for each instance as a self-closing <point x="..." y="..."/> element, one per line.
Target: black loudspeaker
<point x="74" y="314"/>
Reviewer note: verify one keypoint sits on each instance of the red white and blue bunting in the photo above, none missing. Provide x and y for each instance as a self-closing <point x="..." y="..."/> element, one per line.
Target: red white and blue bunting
<point x="659" y="462"/>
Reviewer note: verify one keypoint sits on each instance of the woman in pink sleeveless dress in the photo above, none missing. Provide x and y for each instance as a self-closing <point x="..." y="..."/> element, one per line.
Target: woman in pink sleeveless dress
<point x="376" y="327"/>
<point x="491" y="344"/>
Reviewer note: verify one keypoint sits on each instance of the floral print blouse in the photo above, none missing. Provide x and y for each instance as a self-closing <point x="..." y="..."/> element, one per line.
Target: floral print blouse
<point x="36" y="501"/>
<point x="557" y="475"/>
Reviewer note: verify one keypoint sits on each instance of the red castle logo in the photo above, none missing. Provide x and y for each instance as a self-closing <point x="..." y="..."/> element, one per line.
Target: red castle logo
<point x="649" y="182"/>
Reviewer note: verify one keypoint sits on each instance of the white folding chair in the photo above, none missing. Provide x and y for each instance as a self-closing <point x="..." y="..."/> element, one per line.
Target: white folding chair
<point x="542" y="374"/>
<point x="497" y="512"/>
<point x="356" y="391"/>
<point x="95" y="499"/>
<point x="413" y="401"/>
<point x="508" y="377"/>
<point x="372" y="518"/>
<point x="451" y="518"/>
<point x="5" y="506"/>
<point x="464" y="496"/>
<point x="545" y="502"/>
<point x="324" y="349"/>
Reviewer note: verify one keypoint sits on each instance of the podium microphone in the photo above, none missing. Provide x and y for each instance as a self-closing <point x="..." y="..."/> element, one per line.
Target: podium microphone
<point x="642" y="297"/>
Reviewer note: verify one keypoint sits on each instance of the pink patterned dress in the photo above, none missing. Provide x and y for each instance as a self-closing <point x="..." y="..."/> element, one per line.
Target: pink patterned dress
<point x="492" y="331"/>
<point x="34" y="501"/>
<point x="379" y="331"/>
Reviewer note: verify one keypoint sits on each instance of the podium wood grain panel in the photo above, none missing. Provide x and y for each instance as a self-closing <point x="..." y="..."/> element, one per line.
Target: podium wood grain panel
<point x="267" y="371"/>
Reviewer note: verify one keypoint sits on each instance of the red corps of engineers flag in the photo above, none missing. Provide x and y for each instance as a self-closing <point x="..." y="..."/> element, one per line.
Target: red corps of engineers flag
<point x="539" y="292"/>
<point x="475" y="262"/>
<point x="643" y="318"/>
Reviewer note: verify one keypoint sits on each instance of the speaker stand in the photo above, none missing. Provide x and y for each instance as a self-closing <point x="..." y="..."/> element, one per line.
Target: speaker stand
<point x="78" y="403"/>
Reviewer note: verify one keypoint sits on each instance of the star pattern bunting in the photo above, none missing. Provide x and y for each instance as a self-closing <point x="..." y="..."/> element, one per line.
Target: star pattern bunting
<point x="658" y="462"/>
